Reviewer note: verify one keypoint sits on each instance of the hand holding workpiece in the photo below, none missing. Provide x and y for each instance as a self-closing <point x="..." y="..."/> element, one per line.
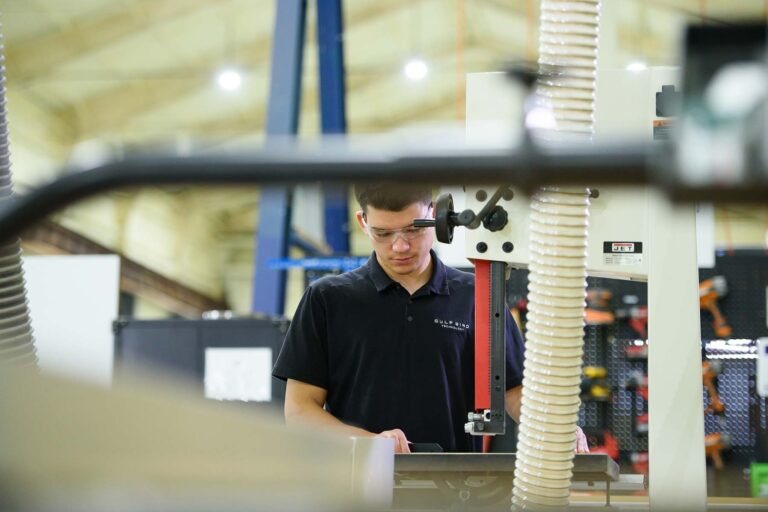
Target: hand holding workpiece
<point x="401" y="442"/>
<point x="581" y="441"/>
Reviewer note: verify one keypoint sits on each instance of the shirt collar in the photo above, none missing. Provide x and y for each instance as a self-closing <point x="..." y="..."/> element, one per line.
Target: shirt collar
<point x="438" y="282"/>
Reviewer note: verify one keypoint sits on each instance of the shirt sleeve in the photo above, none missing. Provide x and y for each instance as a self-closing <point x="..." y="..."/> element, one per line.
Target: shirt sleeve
<point x="303" y="356"/>
<point x="515" y="353"/>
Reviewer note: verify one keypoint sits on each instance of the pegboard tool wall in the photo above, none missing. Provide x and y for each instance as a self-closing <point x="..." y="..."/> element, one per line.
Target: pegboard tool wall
<point x="744" y="307"/>
<point x="605" y="345"/>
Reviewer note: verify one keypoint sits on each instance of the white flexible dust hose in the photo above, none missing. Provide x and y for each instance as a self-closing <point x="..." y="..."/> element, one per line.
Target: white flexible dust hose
<point x="17" y="346"/>
<point x="553" y="350"/>
<point x="568" y="64"/>
<point x="558" y="257"/>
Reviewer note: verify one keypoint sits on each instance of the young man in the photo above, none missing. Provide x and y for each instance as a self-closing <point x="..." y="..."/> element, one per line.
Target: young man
<point x="388" y="349"/>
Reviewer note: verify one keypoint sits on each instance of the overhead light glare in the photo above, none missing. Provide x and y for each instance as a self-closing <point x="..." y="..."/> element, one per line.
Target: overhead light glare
<point x="636" y="66"/>
<point x="540" y="118"/>
<point x="229" y="80"/>
<point x="416" y="69"/>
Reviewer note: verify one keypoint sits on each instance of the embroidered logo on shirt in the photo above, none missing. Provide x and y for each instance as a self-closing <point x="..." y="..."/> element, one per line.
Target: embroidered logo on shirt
<point x="452" y="324"/>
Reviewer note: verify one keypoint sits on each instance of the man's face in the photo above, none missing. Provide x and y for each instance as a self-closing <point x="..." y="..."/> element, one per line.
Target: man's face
<point x="400" y="249"/>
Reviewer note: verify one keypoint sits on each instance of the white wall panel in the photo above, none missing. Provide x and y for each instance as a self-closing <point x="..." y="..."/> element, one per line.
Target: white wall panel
<point x="73" y="301"/>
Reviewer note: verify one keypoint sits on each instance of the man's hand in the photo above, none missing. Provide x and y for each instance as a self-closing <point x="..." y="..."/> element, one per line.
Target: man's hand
<point x="401" y="443"/>
<point x="513" y="399"/>
<point x="581" y="441"/>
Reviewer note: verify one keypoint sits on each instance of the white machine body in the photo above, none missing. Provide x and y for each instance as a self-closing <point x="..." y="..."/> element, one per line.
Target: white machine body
<point x="618" y="232"/>
<point x="634" y="233"/>
<point x="762" y="367"/>
<point x="619" y="217"/>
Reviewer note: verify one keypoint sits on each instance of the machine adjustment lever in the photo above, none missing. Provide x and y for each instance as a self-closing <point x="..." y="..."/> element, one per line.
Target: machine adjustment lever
<point x="445" y="219"/>
<point x="492" y="216"/>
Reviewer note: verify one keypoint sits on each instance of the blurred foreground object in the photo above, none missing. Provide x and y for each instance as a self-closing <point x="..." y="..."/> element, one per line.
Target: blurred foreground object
<point x="721" y="140"/>
<point x="65" y="445"/>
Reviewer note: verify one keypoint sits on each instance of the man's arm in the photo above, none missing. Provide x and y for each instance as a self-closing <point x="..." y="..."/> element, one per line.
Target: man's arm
<point x="304" y="403"/>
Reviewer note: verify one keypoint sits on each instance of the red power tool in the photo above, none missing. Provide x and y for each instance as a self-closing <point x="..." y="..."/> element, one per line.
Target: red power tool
<point x="637" y="319"/>
<point x="603" y="442"/>
<point x="638" y="382"/>
<point x="639" y="462"/>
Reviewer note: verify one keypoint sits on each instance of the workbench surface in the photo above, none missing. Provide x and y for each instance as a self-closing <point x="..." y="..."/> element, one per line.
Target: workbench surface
<point x="586" y="467"/>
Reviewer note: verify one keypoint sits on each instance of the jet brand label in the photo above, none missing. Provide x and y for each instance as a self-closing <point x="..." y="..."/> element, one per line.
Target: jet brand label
<point x="622" y="253"/>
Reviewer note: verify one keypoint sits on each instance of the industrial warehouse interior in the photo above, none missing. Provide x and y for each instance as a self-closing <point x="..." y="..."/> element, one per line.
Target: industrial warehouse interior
<point x="383" y="255"/>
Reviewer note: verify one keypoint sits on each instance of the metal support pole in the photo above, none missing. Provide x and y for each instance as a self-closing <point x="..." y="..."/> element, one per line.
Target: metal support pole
<point x="678" y="479"/>
<point x="330" y="45"/>
<point x="282" y="121"/>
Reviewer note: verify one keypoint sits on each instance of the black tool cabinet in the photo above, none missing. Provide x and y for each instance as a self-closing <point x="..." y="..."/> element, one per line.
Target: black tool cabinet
<point x="177" y="346"/>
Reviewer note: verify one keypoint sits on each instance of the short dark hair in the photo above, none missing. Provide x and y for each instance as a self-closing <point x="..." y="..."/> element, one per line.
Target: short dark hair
<point x="393" y="197"/>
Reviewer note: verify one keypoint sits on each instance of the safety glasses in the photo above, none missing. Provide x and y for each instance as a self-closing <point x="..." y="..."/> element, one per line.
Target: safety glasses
<point x="388" y="236"/>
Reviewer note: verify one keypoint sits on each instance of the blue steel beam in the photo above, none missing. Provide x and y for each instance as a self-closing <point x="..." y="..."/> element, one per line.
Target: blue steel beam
<point x="272" y="236"/>
<point x="310" y="248"/>
<point x="333" y="115"/>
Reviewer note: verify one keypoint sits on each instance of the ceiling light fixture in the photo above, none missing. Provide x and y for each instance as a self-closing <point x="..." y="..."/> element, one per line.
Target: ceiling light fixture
<point x="636" y="66"/>
<point x="416" y="69"/>
<point x="229" y="80"/>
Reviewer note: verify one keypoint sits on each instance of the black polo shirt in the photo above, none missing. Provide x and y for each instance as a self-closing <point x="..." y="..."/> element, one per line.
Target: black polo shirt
<point x="389" y="359"/>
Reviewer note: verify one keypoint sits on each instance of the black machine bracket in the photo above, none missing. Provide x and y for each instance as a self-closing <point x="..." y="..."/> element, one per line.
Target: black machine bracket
<point x="493" y="421"/>
<point x="492" y="216"/>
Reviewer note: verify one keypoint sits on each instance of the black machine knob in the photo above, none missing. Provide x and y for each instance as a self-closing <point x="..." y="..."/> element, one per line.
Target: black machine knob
<point x="445" y="219"/>
<point x="496" y="219"/>
<point x="443" y="212"/>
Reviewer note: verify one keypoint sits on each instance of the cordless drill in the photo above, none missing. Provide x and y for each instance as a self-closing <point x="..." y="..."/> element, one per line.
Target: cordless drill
<point x="710" y="290"/>
<point x="716" y="442"/>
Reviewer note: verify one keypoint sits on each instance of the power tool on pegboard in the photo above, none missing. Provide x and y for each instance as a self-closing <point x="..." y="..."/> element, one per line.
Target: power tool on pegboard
<point x="710" y="291"/>
<point x="636" y="316"/>
<point x="716" y="442"/>
<point x="637" y="349"/>
<point x="714" y="445"/>
<point x="594" y="385"/>
<point x="638" y="383"/>
<point x="639" y="462"/>
<point x="637" y="319"/>
<point x="710" y="369"/>
<point x="602" y="441"/>
<point x="598" y="310"/>
<point x="641" y="424"/>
